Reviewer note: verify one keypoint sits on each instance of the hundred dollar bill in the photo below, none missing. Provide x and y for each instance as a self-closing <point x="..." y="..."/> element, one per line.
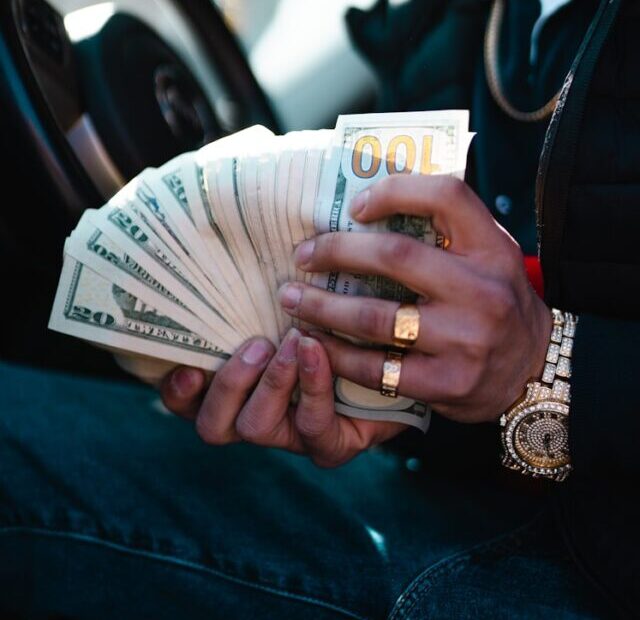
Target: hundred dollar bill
<point x="365" y="149"/>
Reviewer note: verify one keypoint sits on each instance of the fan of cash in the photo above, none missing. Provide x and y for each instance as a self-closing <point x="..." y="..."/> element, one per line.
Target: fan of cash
<point x="183" y="264"/>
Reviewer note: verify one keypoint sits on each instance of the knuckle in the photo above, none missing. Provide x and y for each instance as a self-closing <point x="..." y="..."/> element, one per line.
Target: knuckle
<point x="209" y="433"/>
<point x="385" y="190"/>
<point x="371" y="375"/>
<point x="250" y="428"/>
<point x="503" y="302"/>
<point x="309" y="428"/>
<point x="511" y="260"/>
<point x="453" y="189"/>
<point x="476" y="288"/>
<point x="225" y="382"/>
<point x="312" y="303"/>
<point x="363" y="440"/>
<point x="398" y="250"/>
<point x="316" y="390"/>
<point x="513" y="253"/>
<point x="372" y="321"/>
<point x="478" y="349"/>
<point x="275" y="378"/>
<point x="247" y="428"/>
<point x="327" y="248"/>
<point x="464" y="383"/>
<point x="475" y="341"/>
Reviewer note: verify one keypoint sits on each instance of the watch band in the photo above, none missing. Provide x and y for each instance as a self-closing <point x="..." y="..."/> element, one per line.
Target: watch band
<point x="557" y="367"/>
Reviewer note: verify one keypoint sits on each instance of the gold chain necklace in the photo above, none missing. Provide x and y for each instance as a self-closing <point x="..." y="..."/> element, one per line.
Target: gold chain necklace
<point x="491" y="43"/>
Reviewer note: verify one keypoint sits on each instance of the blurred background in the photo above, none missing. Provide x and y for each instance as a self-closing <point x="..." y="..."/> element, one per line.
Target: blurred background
<point x="94" y="91"/>
<point x="300" y="53"/>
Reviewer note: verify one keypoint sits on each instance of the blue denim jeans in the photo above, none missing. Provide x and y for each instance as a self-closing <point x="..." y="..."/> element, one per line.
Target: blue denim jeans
<point x="110" y="508"/>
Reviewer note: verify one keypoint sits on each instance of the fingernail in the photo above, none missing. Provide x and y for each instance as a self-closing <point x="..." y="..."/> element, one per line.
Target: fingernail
<point x="308" y="355"/>
<point x="289" y="348"/>
<point x="303" y="253"/>
<point x="185" y="382"/>
<point x="256" y="353"/>
<point x="290" y="296"/>
<point x="359" y="202"/>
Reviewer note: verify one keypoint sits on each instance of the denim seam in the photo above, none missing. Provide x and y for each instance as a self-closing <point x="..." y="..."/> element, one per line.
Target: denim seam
<point x="447" y="565"/>
<point x="186" y="564"/>
<point x="426" y="581"/>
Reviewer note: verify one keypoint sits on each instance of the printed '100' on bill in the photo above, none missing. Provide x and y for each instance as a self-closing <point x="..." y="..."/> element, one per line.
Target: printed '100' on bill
<point x="367" y="148"/>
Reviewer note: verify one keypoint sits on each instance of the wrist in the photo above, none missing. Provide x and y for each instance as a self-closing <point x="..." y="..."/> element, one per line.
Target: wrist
<point x="535" y="359"/>
<point x="542" y="336"/>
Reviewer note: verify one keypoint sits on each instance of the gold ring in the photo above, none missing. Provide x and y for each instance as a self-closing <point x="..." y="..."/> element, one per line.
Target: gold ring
<point x="406" y="326"/>
<point x="391" y="374"/>
<point x="442" y="242"/>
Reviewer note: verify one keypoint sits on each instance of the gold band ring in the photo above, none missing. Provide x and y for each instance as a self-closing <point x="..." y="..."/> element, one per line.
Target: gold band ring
<point x="406" y="326"/>
<point x="442" y="242"/>
<point x="391" y="374"/>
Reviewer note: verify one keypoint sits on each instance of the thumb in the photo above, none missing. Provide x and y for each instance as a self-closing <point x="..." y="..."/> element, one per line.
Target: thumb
<point x="181" y="391"/>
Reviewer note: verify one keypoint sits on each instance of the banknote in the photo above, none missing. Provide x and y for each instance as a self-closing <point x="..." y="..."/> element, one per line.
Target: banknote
<point x="365" y="149"/>
<point x="91" y="307"/>
<point x="184" y="263"/>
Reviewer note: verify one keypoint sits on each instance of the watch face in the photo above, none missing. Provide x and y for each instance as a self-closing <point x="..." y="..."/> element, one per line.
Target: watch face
<point x="541" y="437"/>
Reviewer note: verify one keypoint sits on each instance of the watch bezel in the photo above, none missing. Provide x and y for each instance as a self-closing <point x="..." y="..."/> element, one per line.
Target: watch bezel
<point x="511" y="423"/>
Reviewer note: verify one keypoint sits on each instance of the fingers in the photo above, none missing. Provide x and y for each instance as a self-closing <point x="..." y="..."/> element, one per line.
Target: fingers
<point x="181" y="391"/>
<point x="420" y="377"/>
<point x="458" y="213"/>
<point x="265" y="419"/>
<point x="330" y="439"/>
<point x="365" y="318"/>
<point x="427" y="271"/>
<point x="229" y="391"/>
<point x="315" y="418"/>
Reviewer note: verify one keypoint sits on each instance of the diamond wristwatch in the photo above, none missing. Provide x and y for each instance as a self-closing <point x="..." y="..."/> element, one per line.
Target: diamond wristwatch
<point x="535" y="436"/>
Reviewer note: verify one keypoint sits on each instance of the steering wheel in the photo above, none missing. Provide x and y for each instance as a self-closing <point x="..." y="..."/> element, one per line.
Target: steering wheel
<point x="92" y="92"/>
<point x="105" y="89"/>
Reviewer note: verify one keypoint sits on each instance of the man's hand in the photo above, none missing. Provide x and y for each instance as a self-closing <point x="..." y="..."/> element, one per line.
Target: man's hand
<point x="249" y="400"/>
<point x="483" y="329"/>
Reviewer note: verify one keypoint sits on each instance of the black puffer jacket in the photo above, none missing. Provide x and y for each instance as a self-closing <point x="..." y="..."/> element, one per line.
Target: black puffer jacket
<point x="583" y="171"/>
<point x="589" y="216"/>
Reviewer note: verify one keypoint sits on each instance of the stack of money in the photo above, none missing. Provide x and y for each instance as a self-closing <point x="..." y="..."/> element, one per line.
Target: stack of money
<point x="183" y="264"/>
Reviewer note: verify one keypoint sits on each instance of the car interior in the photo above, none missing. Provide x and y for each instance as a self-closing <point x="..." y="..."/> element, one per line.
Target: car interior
<point x="93" y="92"/>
